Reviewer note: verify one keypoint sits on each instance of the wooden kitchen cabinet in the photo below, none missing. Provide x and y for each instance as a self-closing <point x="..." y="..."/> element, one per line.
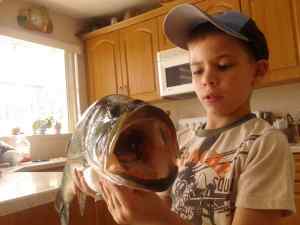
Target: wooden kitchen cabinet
<point x="218" y="6"/>
<point x="47" y="215"/>
<point x="139" y="45"/>
<point x="96" y="213"/>
<point x="124" y="62"/>
<point x="103" y="216"/>
<point x="280" y="21"/>
<point x="104" y="66"/>
<point x="294" y="219"/>
<point x="210" y="6"/>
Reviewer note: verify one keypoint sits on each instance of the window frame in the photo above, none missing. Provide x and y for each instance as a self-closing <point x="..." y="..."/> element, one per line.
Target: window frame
<point x="74" y="72"/>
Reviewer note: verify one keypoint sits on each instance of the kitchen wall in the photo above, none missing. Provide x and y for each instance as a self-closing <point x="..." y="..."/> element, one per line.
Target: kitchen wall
<point x="63" y="36"/>
<point x="280" y="100"/>
<point x="64" y="27"/>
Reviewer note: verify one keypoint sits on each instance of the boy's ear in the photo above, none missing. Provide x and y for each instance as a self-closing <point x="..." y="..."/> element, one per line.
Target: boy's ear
<point x="262" y="67"/>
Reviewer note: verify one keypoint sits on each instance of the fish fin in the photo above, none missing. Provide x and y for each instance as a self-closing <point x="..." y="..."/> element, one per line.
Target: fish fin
<point x="63" y="209"/>
<point x="81" y="197"/>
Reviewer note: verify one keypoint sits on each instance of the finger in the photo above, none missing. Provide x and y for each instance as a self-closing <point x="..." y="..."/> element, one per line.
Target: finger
<point x="78" y="188"/>
<point x="116" y="194"/>
<point x="84" y="184"/>
<point x="104" y="192"/>
<point x="107" y="194"/>
<point x="108" y="200"/>
<point x="76" y="176"/>
<point x="81" y="183"/>
<point x="113" y="205"/>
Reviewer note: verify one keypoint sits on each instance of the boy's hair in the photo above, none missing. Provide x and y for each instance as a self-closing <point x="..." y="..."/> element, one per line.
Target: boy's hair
<point x="206" y="29"/>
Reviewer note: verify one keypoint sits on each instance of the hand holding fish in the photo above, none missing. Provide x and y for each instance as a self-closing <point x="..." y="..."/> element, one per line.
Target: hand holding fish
<point x="82" y="185"/>
<point x="134" y="207"/>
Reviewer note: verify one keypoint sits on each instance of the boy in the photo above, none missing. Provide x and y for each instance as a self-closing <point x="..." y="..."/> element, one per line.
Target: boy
<point x="237" y="169"/>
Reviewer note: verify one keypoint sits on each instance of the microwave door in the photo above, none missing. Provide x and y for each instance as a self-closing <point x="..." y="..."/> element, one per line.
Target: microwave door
<point x="175" y="76"/>
<point x="178" y="75"/>
<point x="177" y="80"/>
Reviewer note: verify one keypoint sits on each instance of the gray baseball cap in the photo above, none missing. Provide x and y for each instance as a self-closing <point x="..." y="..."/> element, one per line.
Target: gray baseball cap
<point x="183" y="19"/>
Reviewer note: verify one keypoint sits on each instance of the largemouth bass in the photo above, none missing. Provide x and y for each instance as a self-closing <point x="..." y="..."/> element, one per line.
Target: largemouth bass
<point x="125" y="141"/>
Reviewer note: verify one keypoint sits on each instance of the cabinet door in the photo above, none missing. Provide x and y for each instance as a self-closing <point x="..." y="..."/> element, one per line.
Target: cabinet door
<point x="139" y="45"/>
<point x="217" y="6"/>
<point x="280" y="21"/>
<point x="47" y="215"/>
<point x="294" y="219"/>
<point x="104" y="66"/>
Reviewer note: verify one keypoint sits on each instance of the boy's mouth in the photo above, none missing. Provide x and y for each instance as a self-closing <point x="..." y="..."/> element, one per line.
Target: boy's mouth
<point x="212" y="98"/>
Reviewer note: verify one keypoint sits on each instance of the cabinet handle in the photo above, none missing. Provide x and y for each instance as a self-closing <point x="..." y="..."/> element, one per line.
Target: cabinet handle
<point x="120" y="90"/>
<point x="126" y="89"/>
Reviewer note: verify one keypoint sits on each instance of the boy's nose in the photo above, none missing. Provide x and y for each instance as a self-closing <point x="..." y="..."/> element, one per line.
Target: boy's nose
<point x="209" y="79"/>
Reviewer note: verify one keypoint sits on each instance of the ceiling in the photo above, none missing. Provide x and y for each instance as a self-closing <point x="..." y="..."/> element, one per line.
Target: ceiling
<point x="83" y="9"/>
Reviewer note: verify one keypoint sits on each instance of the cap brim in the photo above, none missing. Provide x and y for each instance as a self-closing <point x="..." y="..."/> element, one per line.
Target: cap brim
<point x="182" y="19"/>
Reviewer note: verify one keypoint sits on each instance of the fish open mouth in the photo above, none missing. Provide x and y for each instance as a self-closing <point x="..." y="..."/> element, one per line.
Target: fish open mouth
<point x="145" y="149"/>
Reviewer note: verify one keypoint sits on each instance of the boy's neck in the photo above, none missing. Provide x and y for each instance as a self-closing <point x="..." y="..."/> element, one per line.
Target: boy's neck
<point x="215" y="121"/>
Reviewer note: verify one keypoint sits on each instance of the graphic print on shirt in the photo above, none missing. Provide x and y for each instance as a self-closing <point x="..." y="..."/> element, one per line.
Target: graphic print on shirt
<point x="202" y="192"/>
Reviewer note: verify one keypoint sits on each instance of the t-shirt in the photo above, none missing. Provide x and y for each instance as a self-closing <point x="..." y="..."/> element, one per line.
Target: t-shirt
<point x="246" y="164"/>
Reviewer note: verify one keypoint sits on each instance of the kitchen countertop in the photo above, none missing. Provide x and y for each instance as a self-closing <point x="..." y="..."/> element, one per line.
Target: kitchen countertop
<point x="295" y="148"/>
<point x="24" y="190"/>
<point x="23" y="167"/>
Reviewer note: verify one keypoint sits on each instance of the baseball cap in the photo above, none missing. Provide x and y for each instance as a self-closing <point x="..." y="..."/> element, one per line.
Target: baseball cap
<point x="183" y="19"/>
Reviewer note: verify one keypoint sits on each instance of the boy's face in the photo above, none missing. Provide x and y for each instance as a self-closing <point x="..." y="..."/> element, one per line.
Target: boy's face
<point x="223" y="74"/>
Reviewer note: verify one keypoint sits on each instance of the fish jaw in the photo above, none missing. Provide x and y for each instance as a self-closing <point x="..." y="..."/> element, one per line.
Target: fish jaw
<point x="114" y="171"/>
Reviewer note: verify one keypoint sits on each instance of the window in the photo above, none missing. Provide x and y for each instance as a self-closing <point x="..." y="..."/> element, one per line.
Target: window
<point x="33" y="85"/>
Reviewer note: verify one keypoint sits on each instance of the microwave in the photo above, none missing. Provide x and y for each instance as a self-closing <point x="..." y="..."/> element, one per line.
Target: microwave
<point x="174" y="73"/>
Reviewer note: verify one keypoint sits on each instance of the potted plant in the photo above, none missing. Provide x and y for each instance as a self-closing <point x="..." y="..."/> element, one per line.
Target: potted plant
<point x="57" y="127"/>
<point x="41" y="125"/>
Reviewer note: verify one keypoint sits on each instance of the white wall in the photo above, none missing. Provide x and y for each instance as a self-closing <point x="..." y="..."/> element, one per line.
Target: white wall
<point x="64" y="27"/>
<point x="280" y="100"/>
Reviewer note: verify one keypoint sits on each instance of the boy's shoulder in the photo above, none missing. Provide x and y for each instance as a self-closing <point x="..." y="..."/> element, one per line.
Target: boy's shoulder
<point x="255" y="137"/>
<point x="256" y="127"/>
<point x="244" y="134"/>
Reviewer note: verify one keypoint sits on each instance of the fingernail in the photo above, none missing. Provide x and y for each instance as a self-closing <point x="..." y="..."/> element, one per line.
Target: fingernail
<point x="100" y="187"/>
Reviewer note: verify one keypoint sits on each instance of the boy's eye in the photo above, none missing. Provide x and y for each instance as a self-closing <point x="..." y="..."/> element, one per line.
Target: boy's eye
<point x="223" y="67"/>
<point x="197" y="71"/>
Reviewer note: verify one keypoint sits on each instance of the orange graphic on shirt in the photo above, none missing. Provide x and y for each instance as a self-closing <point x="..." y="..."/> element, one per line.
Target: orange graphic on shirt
<point x="216" y="161"/>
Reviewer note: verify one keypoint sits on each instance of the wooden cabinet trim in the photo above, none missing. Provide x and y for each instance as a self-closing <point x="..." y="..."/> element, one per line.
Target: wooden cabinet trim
<point x="296" y="14"/>
<point x="139" y="18"/>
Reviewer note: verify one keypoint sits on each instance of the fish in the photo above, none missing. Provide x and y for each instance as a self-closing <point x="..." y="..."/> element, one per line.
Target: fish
<point x="125" y="141"/>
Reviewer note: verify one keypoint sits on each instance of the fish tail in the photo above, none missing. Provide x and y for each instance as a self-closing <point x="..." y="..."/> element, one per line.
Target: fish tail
<point x="63" y="209"/>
